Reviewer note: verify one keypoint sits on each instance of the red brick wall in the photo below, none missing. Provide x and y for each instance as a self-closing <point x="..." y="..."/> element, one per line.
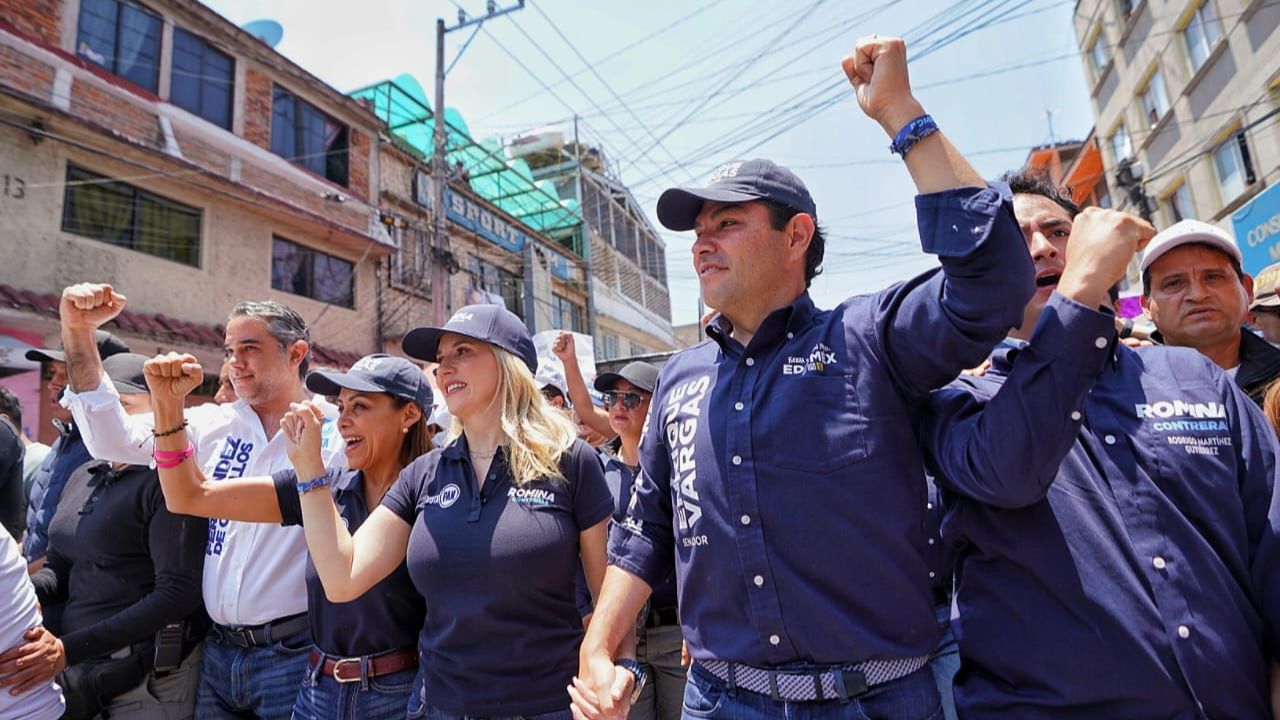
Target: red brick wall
<point x="121" y="113"/>
<point x="39" y="19"/>
<point x="358" y="164"/>
<point x="290" y="191"/>
<point x="257" y="108"/>
<point x="202" y="153"/>
<point x="25" y="74"/>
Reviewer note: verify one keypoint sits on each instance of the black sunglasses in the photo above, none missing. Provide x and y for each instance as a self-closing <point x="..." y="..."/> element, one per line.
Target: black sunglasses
<point x="630" y="400"/>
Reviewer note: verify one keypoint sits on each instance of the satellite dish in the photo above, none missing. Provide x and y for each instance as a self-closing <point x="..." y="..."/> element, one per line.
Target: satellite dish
<point x="268" y="31"/>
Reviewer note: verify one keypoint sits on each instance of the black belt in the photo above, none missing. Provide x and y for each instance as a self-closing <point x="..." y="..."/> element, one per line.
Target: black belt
<point x="662" y="616"/>
<point x="247" y="636"/>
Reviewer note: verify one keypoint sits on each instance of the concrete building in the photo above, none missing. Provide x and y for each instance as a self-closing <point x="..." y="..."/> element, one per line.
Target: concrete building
<point x="511" y="241"/>
<point x="162" y="149"/>
<point x="1185" y="93"/>
<point x="631" y="302"/>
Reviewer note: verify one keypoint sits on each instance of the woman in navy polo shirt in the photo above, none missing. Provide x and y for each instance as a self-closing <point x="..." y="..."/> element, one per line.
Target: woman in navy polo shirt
<point x="494" y="527"/>
<point x="365" y="661"/>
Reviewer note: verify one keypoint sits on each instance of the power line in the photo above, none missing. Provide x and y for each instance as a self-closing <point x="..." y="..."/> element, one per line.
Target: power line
<point x="636" y="43"/>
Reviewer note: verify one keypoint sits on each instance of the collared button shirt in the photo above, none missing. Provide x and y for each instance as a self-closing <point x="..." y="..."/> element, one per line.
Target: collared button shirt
<point x="253" y="572"/>
<point x="388" y="616"/>
<point x="1126" y="580"/>
<point x="496" y="565"/>
<point x="785" y="479"/>
<point x="621" y="478"/>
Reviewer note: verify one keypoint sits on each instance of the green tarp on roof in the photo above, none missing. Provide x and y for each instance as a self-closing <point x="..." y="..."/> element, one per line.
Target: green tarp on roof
<point x="402" y="104"/>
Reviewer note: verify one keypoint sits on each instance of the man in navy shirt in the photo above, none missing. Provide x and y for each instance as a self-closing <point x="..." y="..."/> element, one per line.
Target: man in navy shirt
<point x="1111" y="508"/>
<point x="781" y="470"/>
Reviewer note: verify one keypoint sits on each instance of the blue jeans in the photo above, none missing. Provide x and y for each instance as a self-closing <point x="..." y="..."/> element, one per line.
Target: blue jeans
<point x="385" y="697"/>
<point x="945" y="662"/>
<point x="914" y="697"/>
<point x="259" y="682"/>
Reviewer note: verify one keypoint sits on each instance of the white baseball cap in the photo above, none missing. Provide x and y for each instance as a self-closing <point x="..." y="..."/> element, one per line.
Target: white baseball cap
<point x="1189" y="231"/>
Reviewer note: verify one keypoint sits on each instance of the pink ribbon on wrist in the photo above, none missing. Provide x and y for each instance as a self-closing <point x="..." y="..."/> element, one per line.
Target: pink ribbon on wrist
<point x="167" y="459"/>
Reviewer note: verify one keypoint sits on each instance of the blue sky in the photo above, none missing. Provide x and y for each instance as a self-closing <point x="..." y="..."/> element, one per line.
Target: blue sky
<point x="700" y="83"/>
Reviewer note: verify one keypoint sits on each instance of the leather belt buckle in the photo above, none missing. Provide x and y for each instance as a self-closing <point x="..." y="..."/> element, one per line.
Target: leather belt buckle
<point x="337" y="670"/>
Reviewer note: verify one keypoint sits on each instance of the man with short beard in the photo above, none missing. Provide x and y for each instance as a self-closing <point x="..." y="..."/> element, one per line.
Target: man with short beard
<point x="253" y="573"/>
<point x="67" y="453"/>
<point x="1110" y="508"/>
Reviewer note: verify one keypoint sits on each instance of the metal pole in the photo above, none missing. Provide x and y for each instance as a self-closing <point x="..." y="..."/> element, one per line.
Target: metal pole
<point x="439" y="236"/>
<point x="439" y="171"/>
<point x="586" y="232"/>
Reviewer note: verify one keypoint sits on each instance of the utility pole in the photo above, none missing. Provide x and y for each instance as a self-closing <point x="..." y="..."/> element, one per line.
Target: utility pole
<point x="586" y="231"/>
<point x="440" y="252"/>
<point x="1048" y="115"/>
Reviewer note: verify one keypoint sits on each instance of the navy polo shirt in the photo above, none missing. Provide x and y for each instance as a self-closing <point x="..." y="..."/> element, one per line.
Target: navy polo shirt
<point x="497" y="567"/>
<point x="1126" y="580"/>
<point x="785" y="478"/>
<point x="388" y="616"/>
<point x="621" y="478"/>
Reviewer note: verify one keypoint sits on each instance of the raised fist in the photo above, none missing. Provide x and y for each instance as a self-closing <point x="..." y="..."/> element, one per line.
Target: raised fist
<point x="1101" y="244"/>
<point x="301" y="427"/>
<point x="565" y="349"/>
<point x="877" y="69"/>
<point x="89" y="305"/>
<point x="173" y="375"/>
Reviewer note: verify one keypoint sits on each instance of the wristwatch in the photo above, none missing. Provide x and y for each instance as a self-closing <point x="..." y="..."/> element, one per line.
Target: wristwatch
<point x="635" y="669"/>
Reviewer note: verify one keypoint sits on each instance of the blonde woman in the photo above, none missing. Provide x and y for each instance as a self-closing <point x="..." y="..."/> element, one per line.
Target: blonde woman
<point x="493" y="527"/>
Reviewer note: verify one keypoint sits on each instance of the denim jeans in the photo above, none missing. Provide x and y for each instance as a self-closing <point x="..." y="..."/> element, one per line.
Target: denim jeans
<point x="259" y="682"/>
<point x="430" y="713"/>
<point x="385" y="697"/>
<point x="945" y="662"/>
<point x="914" y="697"/>
<point x="658" y="652"/>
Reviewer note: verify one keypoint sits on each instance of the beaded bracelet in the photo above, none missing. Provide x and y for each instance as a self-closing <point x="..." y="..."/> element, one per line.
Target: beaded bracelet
<point x="166" y="459"/>
<point x="166" y="433"/>
<point x="312" y="484"/>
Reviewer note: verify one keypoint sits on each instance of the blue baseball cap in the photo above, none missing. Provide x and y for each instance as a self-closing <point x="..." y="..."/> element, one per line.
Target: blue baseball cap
<point x="492" y="324"/>
<point x="736" y="182"/>
<point x="377" y="373"/>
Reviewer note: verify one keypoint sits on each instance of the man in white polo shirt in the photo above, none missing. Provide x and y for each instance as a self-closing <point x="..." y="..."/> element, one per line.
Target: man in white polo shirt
<point x="253" y="573"/>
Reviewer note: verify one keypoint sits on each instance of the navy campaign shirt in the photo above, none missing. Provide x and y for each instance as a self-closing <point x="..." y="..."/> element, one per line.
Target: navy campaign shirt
<point x="497" y="567"/>
<point x="387" y="617"/>
<point x="1135" y="578"/>
<point x="785" y="477"/>
<point x="621" y="478"/>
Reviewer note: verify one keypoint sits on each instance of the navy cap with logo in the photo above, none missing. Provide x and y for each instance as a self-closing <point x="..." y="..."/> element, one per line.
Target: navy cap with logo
<point x="125" y="371"/>
<point x="735" y="182"/>
<point x="108" y="345"/>
<point x="639" y="373"/>
<point x="377" y="373"/>
<point x="492" y="324"/>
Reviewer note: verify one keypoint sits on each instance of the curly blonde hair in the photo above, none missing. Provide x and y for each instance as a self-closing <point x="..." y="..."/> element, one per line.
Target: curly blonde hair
<point x="537" y="433"/>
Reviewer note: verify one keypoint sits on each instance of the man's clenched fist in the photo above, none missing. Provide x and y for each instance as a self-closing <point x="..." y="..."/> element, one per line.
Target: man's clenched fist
<point x="89" y="305"/>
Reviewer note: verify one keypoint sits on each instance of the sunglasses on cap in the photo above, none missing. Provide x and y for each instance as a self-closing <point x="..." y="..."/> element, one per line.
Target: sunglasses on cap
<point x="629" y="400"/>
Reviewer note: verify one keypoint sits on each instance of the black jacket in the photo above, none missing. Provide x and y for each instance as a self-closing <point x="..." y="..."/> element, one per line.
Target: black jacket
<point x="1259" y="365"/>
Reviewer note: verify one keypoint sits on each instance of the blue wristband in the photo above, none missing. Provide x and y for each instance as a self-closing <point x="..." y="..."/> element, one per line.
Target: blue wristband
<point x="912" y="133"/>
<point x="308" y="486"/>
